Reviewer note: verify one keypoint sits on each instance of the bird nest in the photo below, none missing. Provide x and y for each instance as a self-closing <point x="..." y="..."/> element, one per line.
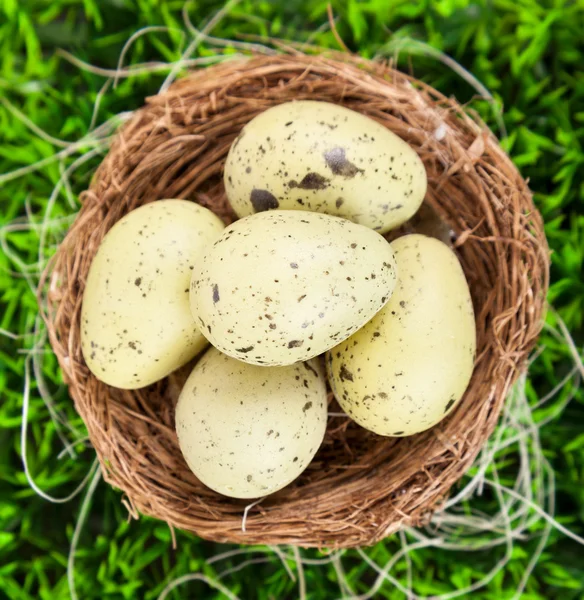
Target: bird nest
<point x="360" y="487"/>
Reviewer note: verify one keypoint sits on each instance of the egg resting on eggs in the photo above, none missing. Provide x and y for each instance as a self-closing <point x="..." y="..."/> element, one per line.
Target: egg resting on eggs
<point x="284" y="286"/>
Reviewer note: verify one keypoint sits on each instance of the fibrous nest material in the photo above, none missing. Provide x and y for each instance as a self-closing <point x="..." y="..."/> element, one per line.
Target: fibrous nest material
<point x="360" y="487"/>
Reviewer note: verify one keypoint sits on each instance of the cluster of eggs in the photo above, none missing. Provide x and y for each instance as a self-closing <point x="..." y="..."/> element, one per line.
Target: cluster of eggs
<point x="305" y="273"/>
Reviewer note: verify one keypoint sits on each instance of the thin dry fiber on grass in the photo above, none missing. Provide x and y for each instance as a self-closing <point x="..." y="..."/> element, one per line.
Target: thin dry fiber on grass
<point x="360" y="487"/>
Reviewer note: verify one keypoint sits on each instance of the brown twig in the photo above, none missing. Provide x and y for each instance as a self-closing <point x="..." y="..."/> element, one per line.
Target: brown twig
<point x="331" y="18"/>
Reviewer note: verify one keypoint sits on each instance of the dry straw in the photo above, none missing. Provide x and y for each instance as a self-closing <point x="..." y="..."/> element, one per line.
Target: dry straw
<point x="360" y="487"/>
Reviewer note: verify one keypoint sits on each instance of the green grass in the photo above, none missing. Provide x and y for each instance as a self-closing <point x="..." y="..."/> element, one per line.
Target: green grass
<point x="528" y="53"/>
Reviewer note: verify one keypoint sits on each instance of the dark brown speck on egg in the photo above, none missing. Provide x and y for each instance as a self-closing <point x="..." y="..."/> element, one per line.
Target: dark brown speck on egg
<point x="339" y="164"/>
<point x="263" y="200"/>
<point x="311" y="181"/>
<point x="345" y="374"/>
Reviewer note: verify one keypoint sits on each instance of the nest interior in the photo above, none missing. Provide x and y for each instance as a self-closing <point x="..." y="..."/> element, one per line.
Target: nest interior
<point x="360" y="487"/>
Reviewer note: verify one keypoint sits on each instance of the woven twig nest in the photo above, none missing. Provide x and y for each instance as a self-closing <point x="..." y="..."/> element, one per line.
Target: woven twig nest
<point x="360" y="487"/>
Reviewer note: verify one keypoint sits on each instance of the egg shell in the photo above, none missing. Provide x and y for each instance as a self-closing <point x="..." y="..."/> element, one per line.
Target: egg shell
<point x="247" y="431"/>
<point x="409" y="366"/>
<point x="284" y="286"/>
<point x="322" y="157"/>
<point x="136" y="323"/>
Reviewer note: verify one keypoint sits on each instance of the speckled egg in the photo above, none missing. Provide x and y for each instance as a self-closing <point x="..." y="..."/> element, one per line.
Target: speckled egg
<point x="247" y="431"/>
<point x="322" y="157"/>
<point x="409" y="366"/>
<point x="136" y="323"/>
<point x="284" y="286"/>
